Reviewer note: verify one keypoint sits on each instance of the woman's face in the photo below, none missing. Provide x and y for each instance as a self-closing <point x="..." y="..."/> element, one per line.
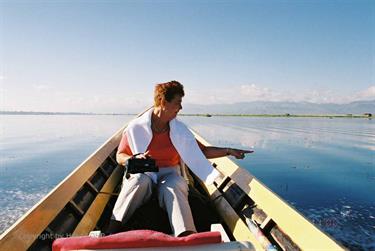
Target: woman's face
<point x="173" y="107"/>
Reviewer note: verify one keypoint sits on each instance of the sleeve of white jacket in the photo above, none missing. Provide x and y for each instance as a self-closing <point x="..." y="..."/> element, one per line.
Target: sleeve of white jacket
<point x="187" y="146"/>
<point x="139" y="134"/>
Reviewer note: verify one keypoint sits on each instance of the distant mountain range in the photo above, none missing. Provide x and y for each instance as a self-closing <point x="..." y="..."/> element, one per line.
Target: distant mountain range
<point x="257" y="107"/>
<point x="298" y="108"/>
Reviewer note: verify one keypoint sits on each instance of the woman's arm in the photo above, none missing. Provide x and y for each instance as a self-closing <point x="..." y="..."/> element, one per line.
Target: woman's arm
<point x="212" y="152"/>
<point x="121" y="158"/>
<point x="123" y="151"/>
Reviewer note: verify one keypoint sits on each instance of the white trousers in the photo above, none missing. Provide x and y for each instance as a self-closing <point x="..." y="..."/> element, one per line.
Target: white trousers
<point x="172" y="195"/>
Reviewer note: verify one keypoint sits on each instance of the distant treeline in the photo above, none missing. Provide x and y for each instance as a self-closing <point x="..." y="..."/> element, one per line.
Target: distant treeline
<point x="58" y="113"/>
<point x="365" y="115"/>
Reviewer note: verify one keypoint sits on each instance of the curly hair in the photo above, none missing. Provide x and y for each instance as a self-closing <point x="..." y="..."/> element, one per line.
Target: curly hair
<point x="167" y="91"/>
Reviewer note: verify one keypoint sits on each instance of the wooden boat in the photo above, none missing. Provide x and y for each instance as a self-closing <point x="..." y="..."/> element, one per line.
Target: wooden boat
<point x="244" y="206"/>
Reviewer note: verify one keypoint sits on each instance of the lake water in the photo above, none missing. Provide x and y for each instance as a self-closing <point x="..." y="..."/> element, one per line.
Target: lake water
<point x="323" y="167"/>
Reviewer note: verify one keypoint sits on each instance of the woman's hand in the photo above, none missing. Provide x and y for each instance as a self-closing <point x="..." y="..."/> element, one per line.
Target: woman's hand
<point x="212" y="152"/>
<point x="238" y="153"/>
<point x="142" y="155"/>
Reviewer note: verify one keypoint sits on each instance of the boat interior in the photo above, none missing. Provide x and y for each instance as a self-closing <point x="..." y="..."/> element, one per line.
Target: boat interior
<point x="149" y="216"/>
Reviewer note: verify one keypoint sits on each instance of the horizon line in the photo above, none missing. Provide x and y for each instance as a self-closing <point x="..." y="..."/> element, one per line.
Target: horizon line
<point x="366" y="114"/>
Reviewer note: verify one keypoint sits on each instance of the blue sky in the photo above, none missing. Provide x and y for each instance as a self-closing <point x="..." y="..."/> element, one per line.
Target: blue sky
<point x="106" y="56"/>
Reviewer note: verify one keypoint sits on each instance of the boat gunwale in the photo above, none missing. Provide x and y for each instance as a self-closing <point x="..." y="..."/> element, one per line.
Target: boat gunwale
<point x="52" y="200"/>
<point x="248" y="183"/>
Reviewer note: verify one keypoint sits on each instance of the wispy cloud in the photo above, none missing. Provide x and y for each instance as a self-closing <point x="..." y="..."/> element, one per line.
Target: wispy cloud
<point x="41" y="87"/>
<point x="367" y="94"/>
<point x="47" y="98"/>
<point x="59" y="100"/>
<point x="254" y="92"/>
<point x="104" y="103"/>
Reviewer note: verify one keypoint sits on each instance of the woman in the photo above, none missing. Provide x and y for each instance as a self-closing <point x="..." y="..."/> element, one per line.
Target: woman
<point x="159" y="135"/>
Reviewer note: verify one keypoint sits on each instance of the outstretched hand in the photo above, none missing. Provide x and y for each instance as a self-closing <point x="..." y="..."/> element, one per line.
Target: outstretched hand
<point x="238" y="153"/>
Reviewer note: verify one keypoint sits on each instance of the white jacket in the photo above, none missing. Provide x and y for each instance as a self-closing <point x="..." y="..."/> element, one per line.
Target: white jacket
<point x="139" y="134"/>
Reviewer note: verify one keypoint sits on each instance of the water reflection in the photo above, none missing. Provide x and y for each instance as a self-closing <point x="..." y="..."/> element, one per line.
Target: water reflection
<point x="323" y="167"/>
<point x="38" y="151"/>
<point x="256" y="133"/>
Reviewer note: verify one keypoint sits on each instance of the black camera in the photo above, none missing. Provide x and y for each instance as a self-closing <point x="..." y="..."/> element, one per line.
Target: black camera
<point x="135" y="165"/>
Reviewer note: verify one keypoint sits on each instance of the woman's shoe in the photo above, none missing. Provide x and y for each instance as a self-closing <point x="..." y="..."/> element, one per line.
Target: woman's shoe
<point x="114" y="227"/>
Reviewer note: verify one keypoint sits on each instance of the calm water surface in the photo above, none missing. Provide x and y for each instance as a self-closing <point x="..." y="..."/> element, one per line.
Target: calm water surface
<point x="323" y="167"/>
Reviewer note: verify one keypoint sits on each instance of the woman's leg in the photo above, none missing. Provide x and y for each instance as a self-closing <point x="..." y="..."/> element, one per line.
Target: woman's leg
<point x="173" y="197"/>
<point x="135" y="191"/>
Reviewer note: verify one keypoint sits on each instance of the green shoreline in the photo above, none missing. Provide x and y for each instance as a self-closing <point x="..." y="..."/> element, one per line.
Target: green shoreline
<point x="287" y="115"/>
<point x="282" y="115"/>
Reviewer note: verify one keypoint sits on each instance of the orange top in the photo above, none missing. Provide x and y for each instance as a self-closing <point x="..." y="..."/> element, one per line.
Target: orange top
<point x="161" y="149"/>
